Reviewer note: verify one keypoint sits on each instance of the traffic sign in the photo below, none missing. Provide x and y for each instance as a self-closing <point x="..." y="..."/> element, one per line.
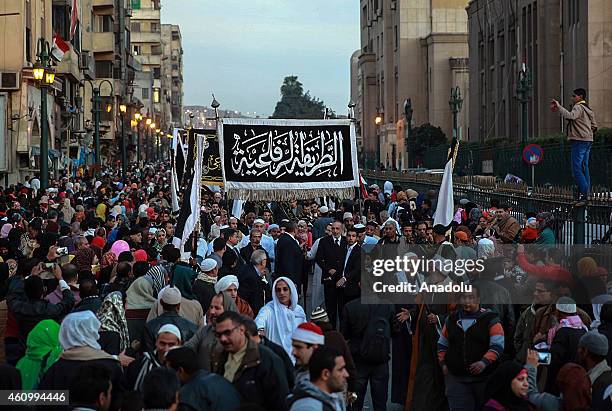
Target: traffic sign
<point x="533" y="154"/>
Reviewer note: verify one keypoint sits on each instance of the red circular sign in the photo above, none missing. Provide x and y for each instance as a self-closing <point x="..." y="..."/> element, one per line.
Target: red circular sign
<point x="533" y="154"/>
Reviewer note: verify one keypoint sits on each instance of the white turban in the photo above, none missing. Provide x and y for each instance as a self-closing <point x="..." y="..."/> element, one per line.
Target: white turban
<point x="224" y="283"/>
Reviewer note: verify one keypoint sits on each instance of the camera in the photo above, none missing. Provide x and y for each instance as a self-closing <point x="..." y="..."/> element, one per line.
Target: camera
<point x="544" y="358"/>
<point x="62" y="251"/>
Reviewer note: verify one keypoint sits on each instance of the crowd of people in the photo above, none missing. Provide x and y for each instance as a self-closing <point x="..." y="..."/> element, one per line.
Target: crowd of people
<point x="262" y="310"/>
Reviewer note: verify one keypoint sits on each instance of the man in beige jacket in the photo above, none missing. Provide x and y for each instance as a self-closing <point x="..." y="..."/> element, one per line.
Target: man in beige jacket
<point x="580" y="128"/>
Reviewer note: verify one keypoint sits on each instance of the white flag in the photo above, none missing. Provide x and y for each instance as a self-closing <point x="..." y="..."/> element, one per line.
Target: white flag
<point x="445" y="210"/>
<point x="173" y="188"/>
<point x="237" y="208"/>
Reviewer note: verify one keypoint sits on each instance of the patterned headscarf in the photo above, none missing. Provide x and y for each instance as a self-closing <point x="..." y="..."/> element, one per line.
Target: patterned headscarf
<point x="109" y="259"/>
<point x="112" y="317"/>
<point x="157" y="276"/>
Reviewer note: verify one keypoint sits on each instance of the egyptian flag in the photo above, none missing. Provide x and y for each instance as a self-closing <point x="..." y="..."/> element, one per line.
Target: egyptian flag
<point x="60" y="47"/>
<point x="189" y="214"/>
<point x="362" y="187"/>
<point x="74" y="18"/>
<point x="445" y="210"/>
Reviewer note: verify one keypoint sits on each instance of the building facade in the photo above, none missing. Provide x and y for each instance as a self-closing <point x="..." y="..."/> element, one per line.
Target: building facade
<point x="108" y="25"/>
<point x="147" y="48"/>
<point x="172" y="75"/>
<point x="564" y="44"/>
<point x="99" y="54"/>
<point x="413" y="50"/>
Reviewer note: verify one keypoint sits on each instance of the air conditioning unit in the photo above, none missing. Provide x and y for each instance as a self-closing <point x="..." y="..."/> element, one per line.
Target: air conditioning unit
<point x="9" y="80"/>
<point x="85" y="59"/>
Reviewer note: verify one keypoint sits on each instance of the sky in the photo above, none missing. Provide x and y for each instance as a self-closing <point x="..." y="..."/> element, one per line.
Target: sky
<point x="242" y="50"/>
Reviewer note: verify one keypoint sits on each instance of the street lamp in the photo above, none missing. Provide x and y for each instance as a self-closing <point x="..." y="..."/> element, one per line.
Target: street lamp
<point x="158" y="144"/>
<point x="351" y="110"/>
<point x="523" y="92"/>
<point x="45" y="75"/>
<point x="215" y="105"/>
<point x="410" y="145"/>
<point x="455" y="103"/>
<point x="96" y="110"/>
<point x="151" y="133"/>
<point x="136" y="124"/>
<point x="123" y="110"/>
<point x="38" y="71"/>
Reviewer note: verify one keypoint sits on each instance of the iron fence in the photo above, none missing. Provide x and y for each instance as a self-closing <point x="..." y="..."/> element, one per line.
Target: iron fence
<point x="576" y="225"/>
<point x="555" y="167"/>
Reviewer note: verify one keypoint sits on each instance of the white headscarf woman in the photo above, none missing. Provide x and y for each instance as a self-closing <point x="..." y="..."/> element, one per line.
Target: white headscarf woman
<point x="281" y="316"/>
<point x="79" y="336"/>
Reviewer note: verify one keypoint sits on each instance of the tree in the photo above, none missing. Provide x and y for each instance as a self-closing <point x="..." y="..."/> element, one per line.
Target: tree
<point x="426" y="136"/>
<point x="294" y="103"/>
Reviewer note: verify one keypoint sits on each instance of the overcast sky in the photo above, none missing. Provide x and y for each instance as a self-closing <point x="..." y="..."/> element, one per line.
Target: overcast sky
<point x="242" y="49"/>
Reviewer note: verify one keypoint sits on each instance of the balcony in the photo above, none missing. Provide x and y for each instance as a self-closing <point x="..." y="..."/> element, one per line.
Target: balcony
<point x="149" y="60"/>
<point x="146" y="14"/>
<point x="103" y="3"/>
<point x="104" y="42"/>
<point x="146" y="37"/>
<point x="69" y="65"/>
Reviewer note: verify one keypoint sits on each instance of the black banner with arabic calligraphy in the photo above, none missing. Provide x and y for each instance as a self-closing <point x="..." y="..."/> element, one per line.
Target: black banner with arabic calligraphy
<point x="211" y="162"/>
<point x="283" y="159"/>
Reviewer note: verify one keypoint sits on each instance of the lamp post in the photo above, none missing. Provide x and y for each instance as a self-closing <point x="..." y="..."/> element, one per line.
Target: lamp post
<point x="45" y="75"/>
<point x="455" y="103"/>
<point x="122" y="111"/>
<point x="408" y="111"/>
<point x="137" y="118"/>
<point x="96" y="110"/>
<point x="158" y="144"/>
<point x="378" y="120"/>
<point x="151" y="131"/>
<point x="523" y="92"/>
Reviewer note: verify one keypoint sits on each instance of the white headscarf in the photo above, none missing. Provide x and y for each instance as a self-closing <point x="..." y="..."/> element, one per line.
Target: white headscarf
<point x="388" y="187"/>
<point x="389" y="221"/>
<point x="79" y="329"/>
<point x="278" y="320"/>
<point x="224" y="283"/>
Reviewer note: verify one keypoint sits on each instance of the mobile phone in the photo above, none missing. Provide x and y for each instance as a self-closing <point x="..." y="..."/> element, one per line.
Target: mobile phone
<point x="544" y="358"/>
<point x="61" y="251"/>
<point x="49" y="266"/>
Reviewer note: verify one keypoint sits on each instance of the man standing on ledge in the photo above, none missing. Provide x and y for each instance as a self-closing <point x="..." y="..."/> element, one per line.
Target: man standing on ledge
<point x="580" y="128"/>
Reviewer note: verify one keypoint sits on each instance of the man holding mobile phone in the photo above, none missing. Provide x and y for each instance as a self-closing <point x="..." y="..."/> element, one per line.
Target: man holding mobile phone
<point x="580" y="128"/>
<point x="25" y="297"/>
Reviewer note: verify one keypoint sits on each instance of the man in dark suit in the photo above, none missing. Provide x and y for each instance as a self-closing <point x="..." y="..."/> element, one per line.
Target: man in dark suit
<point x="231" y="244"/>
<point x="330" y="257"/>
<point x="289" y="256"/>
<point x="351" y="272"/>
<point x="254" y="288"/>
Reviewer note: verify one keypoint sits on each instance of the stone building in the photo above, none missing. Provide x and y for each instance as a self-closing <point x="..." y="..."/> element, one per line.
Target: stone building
<point x="564" y="44"/>
<point x="409" y="49"/>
